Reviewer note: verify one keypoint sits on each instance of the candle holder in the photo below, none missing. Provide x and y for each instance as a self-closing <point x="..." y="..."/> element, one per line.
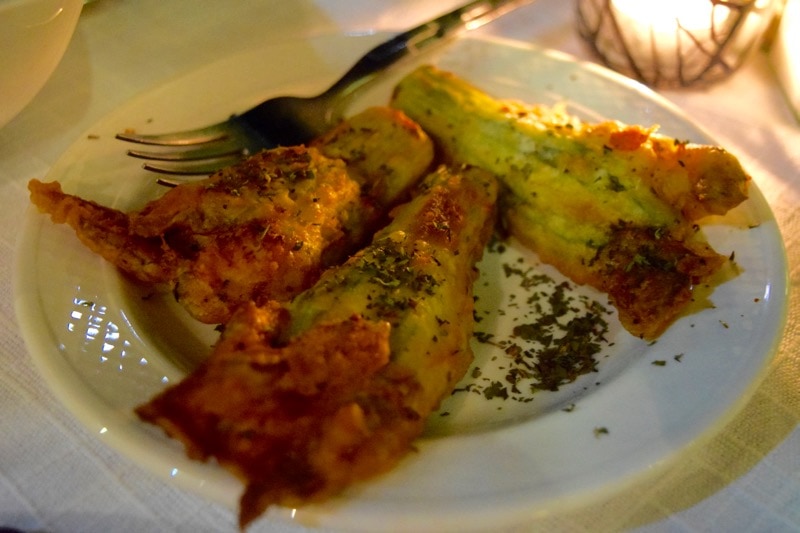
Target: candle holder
<point x="674" y="43"/>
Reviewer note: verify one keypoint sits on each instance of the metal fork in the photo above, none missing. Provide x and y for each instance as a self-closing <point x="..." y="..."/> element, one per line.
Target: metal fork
<point x="289" y="120"/>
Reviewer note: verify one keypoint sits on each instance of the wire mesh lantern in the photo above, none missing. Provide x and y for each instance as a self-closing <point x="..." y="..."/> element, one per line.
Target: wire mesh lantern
<point x="674" y="43"/>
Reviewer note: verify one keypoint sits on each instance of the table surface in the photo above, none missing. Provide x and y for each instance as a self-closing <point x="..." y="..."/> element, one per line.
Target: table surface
<point x="56" y="476"/>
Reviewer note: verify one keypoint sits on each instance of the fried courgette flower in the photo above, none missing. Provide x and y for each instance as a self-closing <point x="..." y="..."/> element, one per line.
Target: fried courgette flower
<point x="263" y="229"/>
<point x="303" y="399"/>
<point x="610" y="205"/>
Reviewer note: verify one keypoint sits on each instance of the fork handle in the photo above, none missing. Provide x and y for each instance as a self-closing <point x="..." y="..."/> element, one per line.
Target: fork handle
<point x="467" y="17"/>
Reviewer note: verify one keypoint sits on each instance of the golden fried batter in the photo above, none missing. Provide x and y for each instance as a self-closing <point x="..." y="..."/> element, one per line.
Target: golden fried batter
<point x="303" y="399"/>
<point x="577" y="193"/>
<point x="263" y="229"/>
<point x="107" y="233"/>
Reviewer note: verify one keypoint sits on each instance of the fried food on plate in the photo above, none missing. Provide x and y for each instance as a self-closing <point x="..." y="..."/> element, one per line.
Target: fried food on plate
<point x="263" y="229"/>
<point x="305" y="398"/>
<point x="610" y="205"/>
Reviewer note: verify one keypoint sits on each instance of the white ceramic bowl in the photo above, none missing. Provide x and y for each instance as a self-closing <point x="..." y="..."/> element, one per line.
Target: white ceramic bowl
<point x="33" y="37"/>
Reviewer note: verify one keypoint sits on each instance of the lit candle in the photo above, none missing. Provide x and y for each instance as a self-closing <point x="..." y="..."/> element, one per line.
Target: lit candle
<point x="669" y="36"/>
<point x="674" y="42"/>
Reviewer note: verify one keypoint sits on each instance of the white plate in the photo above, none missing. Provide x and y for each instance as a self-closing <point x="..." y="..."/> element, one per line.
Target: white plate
<point x="106" y="346"/>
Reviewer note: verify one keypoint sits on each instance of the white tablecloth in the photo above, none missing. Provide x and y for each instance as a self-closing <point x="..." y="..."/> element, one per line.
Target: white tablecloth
<point x="55" y="476"/>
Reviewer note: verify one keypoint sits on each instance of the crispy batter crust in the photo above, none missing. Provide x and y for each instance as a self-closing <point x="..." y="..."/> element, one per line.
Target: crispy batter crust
<point x="263" y="229"/>
<point x="303" y="399"/>
<point x="107" y="233"/>
<point x="649" y="277"/>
